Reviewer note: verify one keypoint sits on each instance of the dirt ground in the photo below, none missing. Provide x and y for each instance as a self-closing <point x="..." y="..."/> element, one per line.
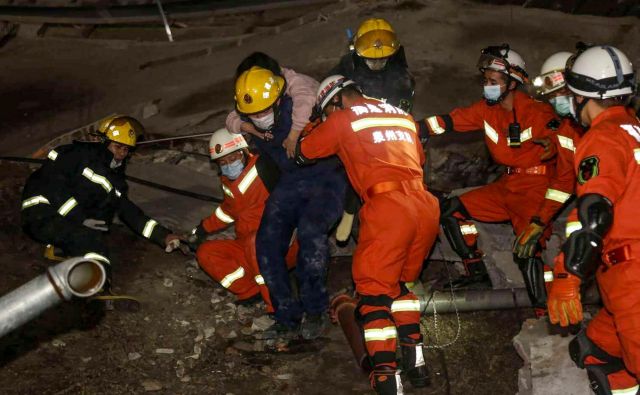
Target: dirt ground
<point x="189" y="338"/>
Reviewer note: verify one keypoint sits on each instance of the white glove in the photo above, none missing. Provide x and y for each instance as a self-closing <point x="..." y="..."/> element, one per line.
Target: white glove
<point x="344" y="227"/>
<point x="172" y="245"/>
<point x="96" y="224"/>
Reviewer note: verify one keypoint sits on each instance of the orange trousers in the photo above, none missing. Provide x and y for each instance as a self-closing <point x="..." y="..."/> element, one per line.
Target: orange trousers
<point x="616" y="327"/>
<point x="234" y="265"/>
<point x="397" y="230"/>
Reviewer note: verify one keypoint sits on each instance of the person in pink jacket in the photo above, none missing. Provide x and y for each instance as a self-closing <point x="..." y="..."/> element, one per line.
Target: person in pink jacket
<point x="300" y="87"/>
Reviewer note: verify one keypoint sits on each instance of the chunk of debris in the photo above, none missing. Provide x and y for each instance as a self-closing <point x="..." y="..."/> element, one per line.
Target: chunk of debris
<point x="164" y="350"/>
<point x="133" y="356"/>
<point x="151" y="385"/>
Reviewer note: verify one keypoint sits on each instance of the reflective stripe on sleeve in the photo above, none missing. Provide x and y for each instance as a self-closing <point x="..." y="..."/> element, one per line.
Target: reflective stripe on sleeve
<point x="572" y="227"/>
<point x="469" y="229"/>
<point x="148" y="228"/>
<point x="405" y="305"/>
<point x="491" y="133"/>
<point x="435" y="125"/>
<point x="67" y="206"/>
<point x="526" y="135"/>
<point x="32" y="201"/>
<point x="97" y="178"/>
<point x="567" y="143"/>
<point x="366" y="123"/>
<point x="556" y="195"/>
<point x="248" y="179"/>
<point x="53" y="155"/>
<point x="380" y="334"/>
<point x="231" y="277"/>
<point x="97" y="257"/>
<point x="259" y="279"/>
<point x="626" y="391"/>
<point x="636" y="155"/>
<point x="548" y="276"/>
<point x="222" y="216"/>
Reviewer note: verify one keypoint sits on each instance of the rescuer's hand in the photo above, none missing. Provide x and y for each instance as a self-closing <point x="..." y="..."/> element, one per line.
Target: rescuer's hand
<point x="290" y="143"/>
<point x="550" y="149"/>
<point x="196" y="237"/>
<point x="527" y="241"/>
<point x="172" y="242"/>
<point x="563" y="302"/>
<point x="96" y="224"/>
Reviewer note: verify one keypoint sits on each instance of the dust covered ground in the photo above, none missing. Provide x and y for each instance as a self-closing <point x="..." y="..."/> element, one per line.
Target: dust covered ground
<point x="189" y="338"/>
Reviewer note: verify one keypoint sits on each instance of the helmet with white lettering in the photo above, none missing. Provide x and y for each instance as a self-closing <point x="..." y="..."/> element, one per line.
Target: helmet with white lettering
<point x="601" y="72"/>
<point x="328" y="88"/>
<point x="223" y="143"/>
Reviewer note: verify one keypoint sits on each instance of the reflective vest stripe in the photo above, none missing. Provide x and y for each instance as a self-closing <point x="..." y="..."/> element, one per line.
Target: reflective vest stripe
<point x="405" y="305"/>
<point x="469" y="229"/>
<point x="227" y="191"/>
<point x="380" y="334"/>
<point x="118" y="193"/>
<point x="148" y="228"/>
<point x="566" y="142"/>
<point x="491" y="133"/>
<point x="231" y="277"/>
<point x="32" y="201"/>
<point x="548" y="276"/>
<point x="259" y="279"/>
<point x="572" y="227"/>
<point x="97" y="257"/>
<point x="526" y="135"/>
<point x="435" y="125"/>
<point x="366" y="123"/>
<point x="53" y="155"/>
<point x="636" y="155"/>
<point x="248" y="179"/>
<point x="626" y="391"/>
<point x="224" y="217"/>
<point x="97" y="178"/>
<point x="556" y="195"/>
<point x="67" y="206"/>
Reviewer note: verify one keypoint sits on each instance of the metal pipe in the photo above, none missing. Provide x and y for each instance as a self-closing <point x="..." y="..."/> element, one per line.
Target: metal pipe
<point x="174" y="138"/>
<point x="79" y="277"/>
<point x="164" y="21"/>
<point x="486" y="299"/>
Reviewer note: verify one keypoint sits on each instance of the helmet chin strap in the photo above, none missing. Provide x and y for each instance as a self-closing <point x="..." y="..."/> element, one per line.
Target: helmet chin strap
<point x="579" y="108"/>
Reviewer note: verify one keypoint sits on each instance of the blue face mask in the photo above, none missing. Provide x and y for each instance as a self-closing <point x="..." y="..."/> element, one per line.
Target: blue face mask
<point x="492" y="92"/>
<point x="562" y="105"/>
<point x="233" y="169"/>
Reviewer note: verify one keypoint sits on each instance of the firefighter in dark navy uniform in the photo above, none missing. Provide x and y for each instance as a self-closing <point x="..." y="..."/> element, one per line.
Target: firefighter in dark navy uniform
<point x="71" y="200"/>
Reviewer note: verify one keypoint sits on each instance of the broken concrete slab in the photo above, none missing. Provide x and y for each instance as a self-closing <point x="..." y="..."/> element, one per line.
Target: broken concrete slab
<point x="547" y="369"/>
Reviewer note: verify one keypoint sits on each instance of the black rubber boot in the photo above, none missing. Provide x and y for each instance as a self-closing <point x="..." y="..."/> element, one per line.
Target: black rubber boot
<point x="414" y="366"/>
<point x="475" y="278"/>
<point x="385" y="380"/>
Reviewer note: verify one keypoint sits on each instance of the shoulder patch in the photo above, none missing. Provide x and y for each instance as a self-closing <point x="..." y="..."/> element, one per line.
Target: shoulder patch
<point x="589" y="168"/>
<point x="553" y="124"/>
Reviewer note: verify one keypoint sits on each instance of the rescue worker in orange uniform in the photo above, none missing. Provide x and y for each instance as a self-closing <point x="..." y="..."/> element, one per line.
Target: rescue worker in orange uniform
<point x="552" y="87"/>
<point x="233" y="263"/>
<point x="382" y="154"/>
<point x="604" y="232"/>
<point x="516" y="129"/>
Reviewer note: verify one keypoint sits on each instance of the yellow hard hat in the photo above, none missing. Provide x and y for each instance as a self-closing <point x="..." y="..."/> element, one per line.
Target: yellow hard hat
<point x="376" y="39"/>
<point x="257" y="89"/>
<point x="121" y="129"/>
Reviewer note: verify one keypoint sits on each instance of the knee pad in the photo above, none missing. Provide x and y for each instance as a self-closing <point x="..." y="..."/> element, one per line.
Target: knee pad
<point x="582" y="347"/>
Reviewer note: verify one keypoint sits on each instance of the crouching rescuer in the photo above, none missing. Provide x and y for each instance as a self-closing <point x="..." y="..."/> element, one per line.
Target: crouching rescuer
<point x="381" y="152"/>
<point x="71" y="200"/>
<point x="233" y="263"/>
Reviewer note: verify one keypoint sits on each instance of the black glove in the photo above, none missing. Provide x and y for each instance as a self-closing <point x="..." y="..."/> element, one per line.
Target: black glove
<point x="197" y="236"/>
<point x="581" y="251"/>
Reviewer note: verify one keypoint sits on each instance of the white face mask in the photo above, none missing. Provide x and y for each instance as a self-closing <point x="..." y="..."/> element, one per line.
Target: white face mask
<point x="264" y="122"/>
<point x="562" y="105"/>
<point x="376" y="64"/>
<point x="114" y="164"/>
<point x="492" y="92"/>
<point x="233" y="169"/>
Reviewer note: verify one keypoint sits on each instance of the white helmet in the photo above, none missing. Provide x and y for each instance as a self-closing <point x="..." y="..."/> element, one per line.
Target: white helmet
<point x="328" y="88"/>
<point x="223" y="143"/>
<point x="551" y="76"/>
<point x="505" y="60"/>
<point x="601" y="72"/>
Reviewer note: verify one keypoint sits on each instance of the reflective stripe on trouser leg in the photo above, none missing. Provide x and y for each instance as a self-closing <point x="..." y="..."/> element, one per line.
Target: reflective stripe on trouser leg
<point x="380" y="334"/>
<point x="406" y="314"/>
